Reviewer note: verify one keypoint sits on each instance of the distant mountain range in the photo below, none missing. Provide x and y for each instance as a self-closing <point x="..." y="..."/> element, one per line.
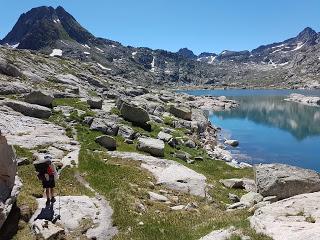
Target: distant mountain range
<point x="292" y="63"/>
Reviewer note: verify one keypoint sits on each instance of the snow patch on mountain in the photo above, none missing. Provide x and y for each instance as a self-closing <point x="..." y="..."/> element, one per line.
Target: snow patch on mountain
<point x="56" y="52"/>
<point x="152" y="65"/>
<point x="103" y="67"/>
<point x="100" y="50"/>
<point x="300" y="45"/>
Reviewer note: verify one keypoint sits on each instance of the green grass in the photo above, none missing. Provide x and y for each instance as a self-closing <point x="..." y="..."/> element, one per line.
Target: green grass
<point x="123" y="183"/>
<point x="72" y="102"/>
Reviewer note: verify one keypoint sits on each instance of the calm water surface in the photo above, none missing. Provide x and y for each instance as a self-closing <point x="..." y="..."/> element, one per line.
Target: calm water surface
<point x="270" y="129"/>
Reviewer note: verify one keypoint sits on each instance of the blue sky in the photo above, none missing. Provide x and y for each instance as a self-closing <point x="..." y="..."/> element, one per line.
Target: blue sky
<point x="200" y="25"/>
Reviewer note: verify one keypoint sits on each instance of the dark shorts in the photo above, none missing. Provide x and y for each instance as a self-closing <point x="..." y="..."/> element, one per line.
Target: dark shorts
<point x="50" y="183"/>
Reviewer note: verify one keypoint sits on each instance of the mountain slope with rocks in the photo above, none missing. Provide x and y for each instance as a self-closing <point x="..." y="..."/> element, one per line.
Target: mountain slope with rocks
<point x="293" y="63"/>
<point x="134" y="162"/>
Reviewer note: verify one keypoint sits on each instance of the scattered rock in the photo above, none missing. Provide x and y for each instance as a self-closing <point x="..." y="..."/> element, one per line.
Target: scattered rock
<point x="150" y="145"/>
<point x="9" y="69"/>
<point x="173" y="142"/>
<point x="251" y="199"/>
<point x="190" y="144"/>
<point x="243" y="183"/>
<point x="238" y="205"/>
<point x="126" y="132"/>
<point x="140" y="207"/>
<point x="164" y="136"/>
<point x="180" y="112"/>
<point x="285" y="181"/>
<point x="46" y="230"/>
<point x="233" y="198"/>
<point x="232" y="143"/>
<point x="128" y="141"/>
<point x="39" y="98"/>
<point x="13" y="88"/>
<point x="178" y="208"/>
<point x="157" y="197"/>
<point x="107" y="141"/>
<point x="95" y="103"/>
<point x="191" y="206"/>
<point x="134" y="114"/>
<point x="105" y="126"/>
<point x="88" y="120"/>
<point x="182" y="155"/>
<point x="27" y="109"/>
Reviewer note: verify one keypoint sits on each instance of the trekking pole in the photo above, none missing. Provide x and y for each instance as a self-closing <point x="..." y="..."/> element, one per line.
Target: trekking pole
<point x="59" y="200"/>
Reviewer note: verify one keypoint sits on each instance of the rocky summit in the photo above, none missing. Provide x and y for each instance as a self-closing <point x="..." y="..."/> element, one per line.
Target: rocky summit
<point x="137" y="158"/>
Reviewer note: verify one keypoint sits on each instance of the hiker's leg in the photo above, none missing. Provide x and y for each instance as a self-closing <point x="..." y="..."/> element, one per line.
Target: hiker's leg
<point x="48" y="193"/>
<point x="52" y="192"/>
<point x="48" y="196"/>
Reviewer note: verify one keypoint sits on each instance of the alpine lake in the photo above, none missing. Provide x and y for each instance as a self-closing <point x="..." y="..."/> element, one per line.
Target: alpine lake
<point x="268" y="128"/>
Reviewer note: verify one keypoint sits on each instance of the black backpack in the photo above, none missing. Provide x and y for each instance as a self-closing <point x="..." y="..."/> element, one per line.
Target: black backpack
<point x="41" y="168"/>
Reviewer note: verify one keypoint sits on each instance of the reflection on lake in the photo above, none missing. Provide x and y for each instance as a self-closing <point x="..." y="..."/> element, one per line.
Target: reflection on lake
<point x="270" y="129"/>
<point x="301" y="121"/>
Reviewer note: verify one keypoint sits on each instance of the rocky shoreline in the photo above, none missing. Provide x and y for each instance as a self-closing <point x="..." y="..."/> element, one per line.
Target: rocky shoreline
<point x="302" y="99"/>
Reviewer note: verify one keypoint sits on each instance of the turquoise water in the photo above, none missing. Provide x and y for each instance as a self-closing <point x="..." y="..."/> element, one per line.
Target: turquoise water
<point x="270" y="129"/>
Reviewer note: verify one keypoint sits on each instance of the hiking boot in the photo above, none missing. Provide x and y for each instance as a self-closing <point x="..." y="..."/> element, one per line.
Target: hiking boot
<point x="53" y="199"/>
<point x="48" y="202"/>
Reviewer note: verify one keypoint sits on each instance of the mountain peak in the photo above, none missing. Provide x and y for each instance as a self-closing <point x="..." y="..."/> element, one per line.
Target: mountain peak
<point x="307" y="35"/>
<point x="187" y="53"/>
<point x="42" y="26"/>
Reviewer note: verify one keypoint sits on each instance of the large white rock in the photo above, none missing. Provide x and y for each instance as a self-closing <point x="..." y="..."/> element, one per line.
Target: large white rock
<point x="169" y="173"/>
<point x="181" y="112"/>
<point x="27" y="109"/>
<point x="285" y="181"/>
<point x="30" y="132"/>
<point x="46" y="230"/>
<point x="75" y="209"/>
<point x="39" y="98"/>
<point x="150" y="145"/>
<point x="251" y="198"/>
<point x="222" y="234"/>
<point x="134" y="114"/>
<point x="295" y="218"/>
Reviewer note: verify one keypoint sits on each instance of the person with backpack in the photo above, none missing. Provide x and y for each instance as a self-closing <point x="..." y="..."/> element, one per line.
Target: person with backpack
<point x="47" y="173"/>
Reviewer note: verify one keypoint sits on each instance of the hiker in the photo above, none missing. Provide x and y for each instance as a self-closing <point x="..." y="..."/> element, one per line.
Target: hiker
<point x="47" y="173"/>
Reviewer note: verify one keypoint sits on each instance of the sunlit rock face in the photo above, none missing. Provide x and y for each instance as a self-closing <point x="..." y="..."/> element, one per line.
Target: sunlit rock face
<point x="9" y="183"/>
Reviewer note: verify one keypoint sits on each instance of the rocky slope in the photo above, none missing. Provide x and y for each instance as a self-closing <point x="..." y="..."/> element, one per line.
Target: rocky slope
<point x="136" y="162"/>
<point x="292" y="63"/>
